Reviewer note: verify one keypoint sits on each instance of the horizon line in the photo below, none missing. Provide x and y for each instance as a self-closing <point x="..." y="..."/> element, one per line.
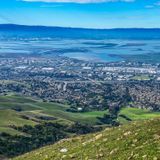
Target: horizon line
<point x="70" y="27"/>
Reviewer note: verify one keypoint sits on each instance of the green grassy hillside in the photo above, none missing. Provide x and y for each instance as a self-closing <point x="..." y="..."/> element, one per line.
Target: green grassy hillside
<point x="11" y="117"/>
<point x="136" y="114"/>
<point x="13" y="108"/>
<point x="136" y="141"/>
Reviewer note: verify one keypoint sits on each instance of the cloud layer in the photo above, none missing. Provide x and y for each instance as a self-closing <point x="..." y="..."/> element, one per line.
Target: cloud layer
<point x="78" y="1"/>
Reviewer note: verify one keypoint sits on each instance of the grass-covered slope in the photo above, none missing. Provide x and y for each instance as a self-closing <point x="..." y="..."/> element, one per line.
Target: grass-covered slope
<point x="11" y="117"/>
<point x="135" y="141"/>
<point x="136" y="114"/>
<point x="13" y="108"/>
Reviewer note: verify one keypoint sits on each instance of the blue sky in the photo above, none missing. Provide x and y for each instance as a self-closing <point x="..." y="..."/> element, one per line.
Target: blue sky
<point x="82" y="13"/>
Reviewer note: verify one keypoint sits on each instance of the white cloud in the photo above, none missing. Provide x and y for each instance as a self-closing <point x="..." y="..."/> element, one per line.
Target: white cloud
<point x="157" y="4"/>
<point x="78" y="1"/>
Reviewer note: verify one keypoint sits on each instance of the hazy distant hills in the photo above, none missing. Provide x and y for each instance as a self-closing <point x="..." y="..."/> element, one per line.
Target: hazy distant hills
<point x="12" y="30"/>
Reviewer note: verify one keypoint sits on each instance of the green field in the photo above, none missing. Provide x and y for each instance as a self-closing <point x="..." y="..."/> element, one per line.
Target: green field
<point x="139" y="114"/>
<point x="33" y="107"/>
<point x="136" y="114"/>
<point x="141" y="78"/>
<point x="137" y="141"/>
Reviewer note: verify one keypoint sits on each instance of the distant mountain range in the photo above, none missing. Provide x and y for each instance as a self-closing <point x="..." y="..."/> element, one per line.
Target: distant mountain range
<point x="13" y="30"/>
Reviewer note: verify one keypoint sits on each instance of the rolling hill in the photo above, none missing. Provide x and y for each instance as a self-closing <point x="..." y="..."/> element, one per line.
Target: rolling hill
<point x="30" y="123"/>
<point x="136" y="141"/>
<point x="18" y="110"/>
